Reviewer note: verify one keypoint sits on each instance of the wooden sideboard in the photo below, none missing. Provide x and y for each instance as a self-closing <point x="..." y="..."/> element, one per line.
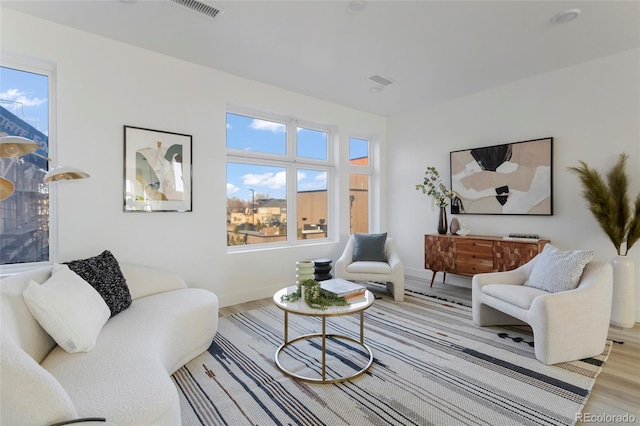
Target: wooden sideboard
<point x="476" y="254"/>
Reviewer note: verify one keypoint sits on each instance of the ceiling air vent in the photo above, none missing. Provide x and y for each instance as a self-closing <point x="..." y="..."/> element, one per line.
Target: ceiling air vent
<point x="381" y="80"/>
<point x="201" y="7"/>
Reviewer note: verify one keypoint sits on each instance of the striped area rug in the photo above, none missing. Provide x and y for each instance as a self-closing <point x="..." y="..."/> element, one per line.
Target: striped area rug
<point x="432" y="366"/>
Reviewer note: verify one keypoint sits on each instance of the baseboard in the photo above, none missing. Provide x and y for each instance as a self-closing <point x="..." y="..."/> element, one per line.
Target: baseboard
<point x="247" y="296"/>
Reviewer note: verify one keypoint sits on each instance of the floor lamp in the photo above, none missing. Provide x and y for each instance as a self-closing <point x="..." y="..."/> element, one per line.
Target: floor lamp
<point x="17" y="146"/>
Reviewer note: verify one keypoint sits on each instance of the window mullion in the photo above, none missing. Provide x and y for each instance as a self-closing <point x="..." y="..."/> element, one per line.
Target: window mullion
<point x="292" y="203"/>
<point x="292" y="127"/>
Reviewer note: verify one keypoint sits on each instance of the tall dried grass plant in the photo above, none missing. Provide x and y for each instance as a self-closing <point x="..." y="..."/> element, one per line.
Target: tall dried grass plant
<point x="609" y="202"/>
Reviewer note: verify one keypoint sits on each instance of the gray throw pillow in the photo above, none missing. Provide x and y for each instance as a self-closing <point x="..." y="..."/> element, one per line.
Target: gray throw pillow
<point x="557" y="270"/>
<point x="104" y="274"/>
<point x="370" y="247"/>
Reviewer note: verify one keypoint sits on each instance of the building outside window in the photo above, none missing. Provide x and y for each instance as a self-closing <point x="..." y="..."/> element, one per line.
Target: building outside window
<point x="25" y="238"/>
<point x="277" y="179"/>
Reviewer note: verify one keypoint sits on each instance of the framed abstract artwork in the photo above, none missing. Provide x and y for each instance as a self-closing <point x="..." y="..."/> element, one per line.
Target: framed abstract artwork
<point x="509" y="179"/>
<point x="157" y="171"/>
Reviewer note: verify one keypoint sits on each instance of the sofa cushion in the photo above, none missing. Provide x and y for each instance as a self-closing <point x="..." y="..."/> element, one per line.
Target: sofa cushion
<point x="104" y="274"/>
<point x="369" y="268"/>
<point x="68" y="308"/>
<point x="518" y="295"/>
<point x="370" y="247"/>
<point x="557" y="270"/>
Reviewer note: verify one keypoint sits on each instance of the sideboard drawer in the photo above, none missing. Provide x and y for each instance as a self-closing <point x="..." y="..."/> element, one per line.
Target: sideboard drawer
<point x="470" y="264"/>
<point x="475" y="246"/>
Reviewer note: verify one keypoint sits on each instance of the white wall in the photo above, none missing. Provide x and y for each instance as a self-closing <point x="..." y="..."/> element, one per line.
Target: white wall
<point x="592" y="112"/>
<point x="103" y="85"/>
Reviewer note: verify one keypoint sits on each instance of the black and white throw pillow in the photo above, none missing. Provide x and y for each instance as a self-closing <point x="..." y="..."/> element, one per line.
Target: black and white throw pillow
<point x="104" y="274"/>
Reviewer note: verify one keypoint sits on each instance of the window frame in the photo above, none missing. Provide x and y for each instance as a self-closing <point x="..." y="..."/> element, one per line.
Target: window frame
<point x="367" y="170"/>
<point x="291" y="162"/>
<point x="48" y="69"/>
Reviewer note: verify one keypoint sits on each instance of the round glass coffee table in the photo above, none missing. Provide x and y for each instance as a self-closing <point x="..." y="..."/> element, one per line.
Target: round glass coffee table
<point x="299" y="307"/>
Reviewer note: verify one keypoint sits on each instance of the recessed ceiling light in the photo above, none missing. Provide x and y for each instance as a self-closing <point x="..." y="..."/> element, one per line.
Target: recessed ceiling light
<point x="566" y="16"/>
<point x="356" y="6"/>
<point x="376" y="89"/>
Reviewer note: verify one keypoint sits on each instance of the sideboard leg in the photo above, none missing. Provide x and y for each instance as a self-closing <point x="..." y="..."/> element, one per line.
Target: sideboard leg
<point x="433" y="277"/>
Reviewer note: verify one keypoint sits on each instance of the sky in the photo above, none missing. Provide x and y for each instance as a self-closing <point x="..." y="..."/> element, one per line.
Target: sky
<point x="25" y="95"/>
<point x="250" y="134"/>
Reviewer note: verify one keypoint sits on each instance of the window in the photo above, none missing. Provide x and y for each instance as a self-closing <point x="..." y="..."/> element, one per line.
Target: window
<point x="253" y="215"/>
<point x="256" y="135"/>
<point x="311" y="143"/>
<point x="312" y="204"/>
<point x="25" y="93"/>
<point x="359" y="176"/>
<point x="277" y="180"/>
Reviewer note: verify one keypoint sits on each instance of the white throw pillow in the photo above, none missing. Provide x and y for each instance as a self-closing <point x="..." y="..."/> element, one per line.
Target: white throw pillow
<point x="68" y="308"/>
<point x="557" y="270"/>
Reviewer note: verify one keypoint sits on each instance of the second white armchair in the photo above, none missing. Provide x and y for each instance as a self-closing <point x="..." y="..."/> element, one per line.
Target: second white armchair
<point x="567" y="325"/>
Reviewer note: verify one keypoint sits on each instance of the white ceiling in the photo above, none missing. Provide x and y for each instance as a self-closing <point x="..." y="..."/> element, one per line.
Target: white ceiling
<point x="434" y="50"/>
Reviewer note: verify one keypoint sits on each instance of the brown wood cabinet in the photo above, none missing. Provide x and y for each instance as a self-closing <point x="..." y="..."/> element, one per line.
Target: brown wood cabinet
<point x="476" y="254"/>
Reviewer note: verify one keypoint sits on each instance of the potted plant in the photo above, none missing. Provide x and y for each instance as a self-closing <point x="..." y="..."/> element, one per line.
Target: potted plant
<point x="314" y="296"/>
<point x="432" y="186"/>
<point x="609" y="202"/>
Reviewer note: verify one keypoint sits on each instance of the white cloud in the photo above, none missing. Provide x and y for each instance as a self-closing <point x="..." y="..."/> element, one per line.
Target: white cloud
<point x="268" y="125"/>
<point x="270" y="180"/>
<point x="319" y="182"/>
<point x="19" y="97"/>
<point x="232" y="189"/>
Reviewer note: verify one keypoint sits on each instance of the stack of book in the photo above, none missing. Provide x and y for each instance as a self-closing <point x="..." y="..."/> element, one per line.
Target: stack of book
<point x="523" y="237"/>
<point x="343" y="288"/>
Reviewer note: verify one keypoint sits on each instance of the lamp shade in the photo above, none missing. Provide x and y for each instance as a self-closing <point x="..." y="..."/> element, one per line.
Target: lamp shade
<point x="6" y="188"/>
<point x="16" y="146"/>
<point x="64" y="173"/>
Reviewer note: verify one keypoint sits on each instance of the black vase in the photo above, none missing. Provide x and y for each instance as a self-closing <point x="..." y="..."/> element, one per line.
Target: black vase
<point x="442" y="221"/>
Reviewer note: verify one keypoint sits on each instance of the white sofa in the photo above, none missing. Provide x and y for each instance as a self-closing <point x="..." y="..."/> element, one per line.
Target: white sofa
<point x="567" y="325"/>
<point x="125" y="378"/>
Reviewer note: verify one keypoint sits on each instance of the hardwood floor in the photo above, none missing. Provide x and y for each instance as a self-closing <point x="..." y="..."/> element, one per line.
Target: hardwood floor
<point x="616" y="391"/>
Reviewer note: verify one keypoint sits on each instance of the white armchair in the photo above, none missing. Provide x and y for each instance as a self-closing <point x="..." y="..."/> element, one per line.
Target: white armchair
<point x="567" y="325"/>
<point x="390" y="272"/>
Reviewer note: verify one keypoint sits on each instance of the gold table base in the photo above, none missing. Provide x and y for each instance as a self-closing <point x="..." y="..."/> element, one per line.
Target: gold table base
<point x="324" y="336"/>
